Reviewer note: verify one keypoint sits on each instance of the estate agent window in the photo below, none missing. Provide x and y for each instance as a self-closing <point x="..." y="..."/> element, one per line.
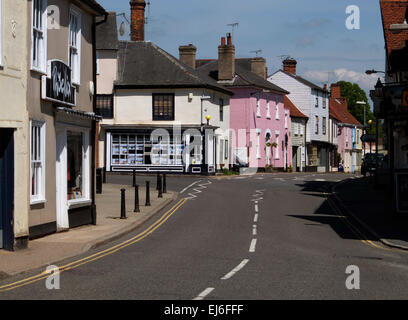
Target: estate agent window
<point x="39" y="36"/>
<point x="75" y="44"/>
<point x="37" y="161"/>
<point x="77" y="165"/>
<point x="163" y="106"/>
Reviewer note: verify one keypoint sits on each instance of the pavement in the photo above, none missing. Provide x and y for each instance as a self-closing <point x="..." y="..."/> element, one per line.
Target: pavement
<point x="372" y="209"/>
<point x="56" y="247"/>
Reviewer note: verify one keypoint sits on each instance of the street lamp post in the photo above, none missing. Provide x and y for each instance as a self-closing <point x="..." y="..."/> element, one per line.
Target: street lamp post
<point x="365" y="125"/>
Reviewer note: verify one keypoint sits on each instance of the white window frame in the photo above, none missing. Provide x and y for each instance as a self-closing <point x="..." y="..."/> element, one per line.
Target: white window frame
<point x="268" y="109"/>
<point x="324" y="126"/>
<point x="258" y="107"/>
<point x="75" y="47"/>
<point x="302" y="129"/>
<point x="286" y="119"/>
<point x="258" y="143"/>
<point x="41" y="126"/>
<point x="277" y="146"/>
<point x="41" y="53"/>
<point x="297" y="127"/>
<point x="277" y="110"/>
<point x="86" y="196"/>
<point x="316" y="125"/>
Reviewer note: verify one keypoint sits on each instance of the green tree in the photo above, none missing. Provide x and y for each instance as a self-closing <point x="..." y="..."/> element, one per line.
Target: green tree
<point x="353" y="93"/>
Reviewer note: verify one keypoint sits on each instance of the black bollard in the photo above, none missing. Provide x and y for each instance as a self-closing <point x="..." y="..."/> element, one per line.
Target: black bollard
<point x="147" y="193"/>
<point x="134" y="177"/>
<point x="122" y="204"/>
<point x="164" y="183"/>
<point x="160" y="188"/>
<point x="137" y="209"/>
<point x="104" y="174"/>
<point x="157" y="181"/>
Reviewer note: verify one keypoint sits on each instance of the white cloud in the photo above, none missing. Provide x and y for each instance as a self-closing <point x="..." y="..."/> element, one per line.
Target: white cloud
<point x="366" y="82"/>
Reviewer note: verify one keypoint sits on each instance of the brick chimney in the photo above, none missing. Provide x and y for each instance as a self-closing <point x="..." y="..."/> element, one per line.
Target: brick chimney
<point x="226" y="59"/>
<point x="137" y="13"/>
<point x="258" y="66"/>
<point x="188" y="55"/>
<point x="335" y="91"/>
<point x="289" y="65"/>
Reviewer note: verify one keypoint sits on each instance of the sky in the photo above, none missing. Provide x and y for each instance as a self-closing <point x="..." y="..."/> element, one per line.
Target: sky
<point x="311" y="31"/>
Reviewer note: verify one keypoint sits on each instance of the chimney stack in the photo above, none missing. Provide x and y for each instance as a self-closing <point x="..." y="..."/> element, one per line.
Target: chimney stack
<point x="137" y="26"/>
<point x="226" y="59"/>
<point x="289" y="65"/>
<point x="188" y="55"/>
<point x="258" y="66"/>
<point x="335" y="91"/>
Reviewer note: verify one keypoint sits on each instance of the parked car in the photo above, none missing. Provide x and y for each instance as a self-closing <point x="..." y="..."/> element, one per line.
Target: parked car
<point x="369" y="164"/>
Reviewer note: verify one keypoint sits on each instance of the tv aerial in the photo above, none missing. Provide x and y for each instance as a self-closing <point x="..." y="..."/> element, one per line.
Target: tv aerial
<point x="233" y="26"/>
<point x="256" y="52"/>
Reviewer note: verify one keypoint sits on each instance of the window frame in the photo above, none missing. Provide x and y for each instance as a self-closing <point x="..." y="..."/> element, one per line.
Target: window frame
<point x="111" y="97"/>
<point x="268" y="109"/>
<point x="276" y="110"/>
<point x="41" y="52"/>
<point x="316" y="124"/>
<point x="41" y="125"/>
<point x="75" y="69"/>
<point x="258" y="107"/>
<point x="86" y="166"/>
<point x="324" y="126"/>
<point x="168" y="118"/>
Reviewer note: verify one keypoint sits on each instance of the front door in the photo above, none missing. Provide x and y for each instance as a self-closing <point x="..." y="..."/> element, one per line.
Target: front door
<point x="6" y="188"/>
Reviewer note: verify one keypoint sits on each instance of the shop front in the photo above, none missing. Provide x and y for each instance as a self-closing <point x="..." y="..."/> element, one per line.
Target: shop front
<point x="160" y="149"/>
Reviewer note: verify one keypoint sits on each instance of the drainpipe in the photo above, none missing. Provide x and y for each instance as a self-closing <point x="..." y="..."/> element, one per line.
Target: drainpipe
<point x="93" y="130"/>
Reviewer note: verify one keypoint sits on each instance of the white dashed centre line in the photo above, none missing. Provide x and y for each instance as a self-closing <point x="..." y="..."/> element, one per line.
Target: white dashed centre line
<point x="256" y="217"/>
<point x="252" y="246"/>
<point x="256" y="208"/>
<point x="203" y="294"/>
<point x="254" y="231"/>
<point x="235" y="270"/>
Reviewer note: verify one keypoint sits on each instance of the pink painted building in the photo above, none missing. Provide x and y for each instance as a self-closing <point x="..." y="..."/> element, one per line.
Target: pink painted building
<point x="259" y="122"/>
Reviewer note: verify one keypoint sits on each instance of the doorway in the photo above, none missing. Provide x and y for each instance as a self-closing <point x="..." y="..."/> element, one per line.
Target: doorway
<point x="6" y="189"/>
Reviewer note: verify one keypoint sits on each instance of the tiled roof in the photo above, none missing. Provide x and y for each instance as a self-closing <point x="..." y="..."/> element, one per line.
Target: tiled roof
<point x="142" y="64"/>
<point x="304" y="81"/>
<point x="339" y="110"/>
<point x="107" y="33"/>
<point x="294" y="112"/>
<point x="94" y="5"/>
<point x="243" y="76"/>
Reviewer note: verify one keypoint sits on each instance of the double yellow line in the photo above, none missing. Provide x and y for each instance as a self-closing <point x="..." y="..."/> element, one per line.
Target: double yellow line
<point x="359" y="234"/>
<point x="98" y="255"/>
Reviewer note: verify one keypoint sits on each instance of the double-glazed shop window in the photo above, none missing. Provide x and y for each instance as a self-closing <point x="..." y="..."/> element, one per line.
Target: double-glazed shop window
<point x="163" y="106"/>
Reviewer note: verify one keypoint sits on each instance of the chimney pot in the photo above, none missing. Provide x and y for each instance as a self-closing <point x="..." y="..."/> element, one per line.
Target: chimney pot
<point x="223" y="41"/>
<point x="229" y="39"/>
<point x="289" y="65"/>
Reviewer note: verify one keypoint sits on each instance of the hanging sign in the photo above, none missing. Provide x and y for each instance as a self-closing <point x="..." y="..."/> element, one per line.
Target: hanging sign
<point x="57" y="86"/>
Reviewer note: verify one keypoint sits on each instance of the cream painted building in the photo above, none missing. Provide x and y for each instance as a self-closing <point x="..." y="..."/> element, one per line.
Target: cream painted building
<point x="14" y="132"/>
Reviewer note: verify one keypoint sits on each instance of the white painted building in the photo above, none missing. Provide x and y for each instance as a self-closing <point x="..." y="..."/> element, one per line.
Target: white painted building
<point x="313" y="102"/>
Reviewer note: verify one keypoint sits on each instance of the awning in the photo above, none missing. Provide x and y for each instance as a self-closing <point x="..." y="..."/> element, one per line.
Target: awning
<point x="89" y="115"/>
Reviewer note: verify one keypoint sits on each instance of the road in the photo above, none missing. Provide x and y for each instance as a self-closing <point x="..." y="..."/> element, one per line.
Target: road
<point x="271" y="236"/>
